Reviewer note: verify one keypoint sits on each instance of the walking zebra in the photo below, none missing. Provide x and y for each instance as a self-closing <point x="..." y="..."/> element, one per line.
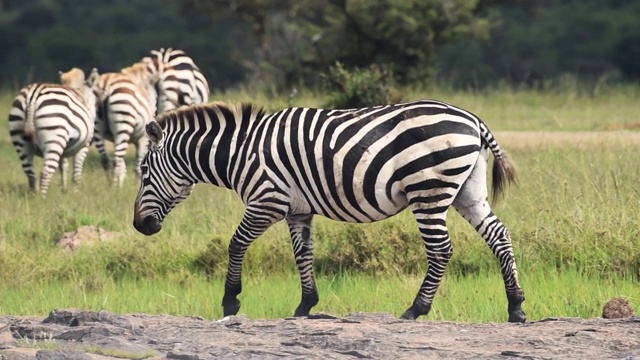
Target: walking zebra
<point x="179" y="81"/>
<point x="127" y="101"/>
<point x="359" y="165"/>
<point x="54" y="121"/>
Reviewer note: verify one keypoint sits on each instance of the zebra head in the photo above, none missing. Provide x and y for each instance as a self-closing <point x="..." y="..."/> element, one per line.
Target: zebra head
<point x="162" y="184"/>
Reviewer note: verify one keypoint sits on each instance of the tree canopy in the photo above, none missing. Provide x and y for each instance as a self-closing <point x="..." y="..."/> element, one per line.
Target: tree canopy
<point x="286" y="42"/>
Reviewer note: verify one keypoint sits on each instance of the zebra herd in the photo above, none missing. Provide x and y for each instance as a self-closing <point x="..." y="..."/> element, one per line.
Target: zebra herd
<point x="57" y="121"/>
<point x="351" y="165"/>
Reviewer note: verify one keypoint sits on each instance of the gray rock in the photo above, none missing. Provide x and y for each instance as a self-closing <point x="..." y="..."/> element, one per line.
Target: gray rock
<point x="182" y="356"/>
<point x="6" y="338"/>
<point x="324" y="337"/>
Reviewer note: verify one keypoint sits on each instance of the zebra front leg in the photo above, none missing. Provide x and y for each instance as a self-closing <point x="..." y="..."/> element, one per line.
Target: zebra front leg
<point x="300" y="229"/>
<point x="64" y="170"/>
<point x="253" y="224"/>
<point x="78" y="164"/>
<point x="432" y="221"/>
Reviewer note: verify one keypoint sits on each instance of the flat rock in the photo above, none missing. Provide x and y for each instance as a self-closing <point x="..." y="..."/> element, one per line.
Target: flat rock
<point x="75" y="333"/>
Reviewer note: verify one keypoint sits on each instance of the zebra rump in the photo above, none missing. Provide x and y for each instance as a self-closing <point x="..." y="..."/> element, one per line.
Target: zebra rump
<point x="178" y="80"/>
<point x="54" y="121"/>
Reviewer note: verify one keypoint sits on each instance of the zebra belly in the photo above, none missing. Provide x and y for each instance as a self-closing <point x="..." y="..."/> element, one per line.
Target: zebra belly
<point x="341" y="210"/>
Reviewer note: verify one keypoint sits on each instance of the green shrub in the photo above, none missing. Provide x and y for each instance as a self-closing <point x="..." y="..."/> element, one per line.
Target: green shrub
<point x="213" y="260"/>
<point x="360" y="87"/>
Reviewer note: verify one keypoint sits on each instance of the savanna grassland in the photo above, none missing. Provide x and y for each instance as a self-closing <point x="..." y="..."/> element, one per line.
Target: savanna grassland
<point x="573" y="218"/>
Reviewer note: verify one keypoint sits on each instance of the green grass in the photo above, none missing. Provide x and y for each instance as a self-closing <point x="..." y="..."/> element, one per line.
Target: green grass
<point x="574" y="221"/>
<point x="120" y="354"/>
<point x="474" y="298"/>
<point x="568" y="109"/>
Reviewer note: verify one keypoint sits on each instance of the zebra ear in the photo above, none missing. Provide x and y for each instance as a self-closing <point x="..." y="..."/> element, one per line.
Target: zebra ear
<point x="154" y="132"/>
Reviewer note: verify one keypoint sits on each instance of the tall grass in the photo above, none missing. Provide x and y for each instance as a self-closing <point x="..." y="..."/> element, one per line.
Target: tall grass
<point x="573" y="220"/>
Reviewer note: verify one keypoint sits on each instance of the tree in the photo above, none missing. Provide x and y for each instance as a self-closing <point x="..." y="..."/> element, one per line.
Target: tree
<point x="300" y="39"/>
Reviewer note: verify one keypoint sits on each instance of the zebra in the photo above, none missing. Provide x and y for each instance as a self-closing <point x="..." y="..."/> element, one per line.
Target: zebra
<point x="178" y="79"/>
<point x="54" y="121"/>
<point x="127" y="100"/>
<point x="358" y="165"/>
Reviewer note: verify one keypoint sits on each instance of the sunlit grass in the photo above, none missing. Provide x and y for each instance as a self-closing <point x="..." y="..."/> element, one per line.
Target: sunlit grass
<point x="503" y="109"/>
<point x="476" y="298"/>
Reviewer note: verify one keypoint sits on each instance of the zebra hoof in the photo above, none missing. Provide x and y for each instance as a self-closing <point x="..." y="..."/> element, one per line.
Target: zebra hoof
<point x="408" y="315"/>
<point x="517" y="316"/>
<point x="231" y="307"/>
<point x="415" y="311"/>
<point x="308" y="301"/>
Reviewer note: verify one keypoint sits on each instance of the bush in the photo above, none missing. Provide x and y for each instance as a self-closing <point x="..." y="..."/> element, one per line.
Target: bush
<point x="360" y="87"/>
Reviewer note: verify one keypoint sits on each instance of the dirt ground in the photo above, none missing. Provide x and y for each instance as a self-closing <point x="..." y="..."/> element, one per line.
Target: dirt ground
<point x="77" y="334"/>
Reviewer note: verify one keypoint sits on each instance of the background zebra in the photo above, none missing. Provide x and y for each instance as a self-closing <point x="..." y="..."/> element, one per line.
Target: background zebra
<point x="53" y="121"/>
<point x="359" y="165"/>
<point x="127" y="101"/>
<point x="179" y="81"/>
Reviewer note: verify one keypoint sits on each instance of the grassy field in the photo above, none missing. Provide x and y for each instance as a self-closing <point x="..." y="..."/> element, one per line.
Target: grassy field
<point x="574" y="220"/>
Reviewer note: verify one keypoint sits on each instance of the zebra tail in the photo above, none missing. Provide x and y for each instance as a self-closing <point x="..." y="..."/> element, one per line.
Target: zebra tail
<point x="504" y="171"/>
<point x="30" y="126"/>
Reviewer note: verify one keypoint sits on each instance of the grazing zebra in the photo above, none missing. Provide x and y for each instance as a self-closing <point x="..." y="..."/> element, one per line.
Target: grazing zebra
<point x="179" y="81"/>
<point x="127" y="100"/>
<point x="54" y="121"/>
<point x="358" y="165"/>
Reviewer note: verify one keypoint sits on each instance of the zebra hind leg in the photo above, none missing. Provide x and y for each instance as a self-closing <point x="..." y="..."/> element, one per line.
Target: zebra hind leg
<point x="119" y="171"/>
<point x="64" y="170"/>
<point x="141" y="151"/>
<point x="471" y="202"/>
<point x="430" y="211"/>
<point x="300" y="229"/>
<point x="78" y="164"/>
<point x="121" y="144"/>
<point x="51" y="162"/>
<point x="106" y="163"/>
<point x="26" y="154"/>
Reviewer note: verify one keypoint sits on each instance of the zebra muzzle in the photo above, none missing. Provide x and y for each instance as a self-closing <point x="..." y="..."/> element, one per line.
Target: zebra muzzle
<point x="149" y="225"/>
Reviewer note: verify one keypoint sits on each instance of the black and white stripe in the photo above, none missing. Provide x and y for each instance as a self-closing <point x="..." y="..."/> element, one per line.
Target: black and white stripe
<point x="179" y="81"/>
<point x="55" y="122"/>
<point x="126" y="104"/>
<point x="359" y="165"/>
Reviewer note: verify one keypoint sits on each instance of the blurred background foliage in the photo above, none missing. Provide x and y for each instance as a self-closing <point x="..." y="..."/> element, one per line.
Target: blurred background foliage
<point x="285" y="43"/>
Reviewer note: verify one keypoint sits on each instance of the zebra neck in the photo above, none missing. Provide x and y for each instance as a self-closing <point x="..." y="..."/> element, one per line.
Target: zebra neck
<point x="219" y="156"/>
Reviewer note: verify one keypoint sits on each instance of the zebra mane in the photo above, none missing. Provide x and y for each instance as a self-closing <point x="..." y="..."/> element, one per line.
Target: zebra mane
<point x="241" y="112"/>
